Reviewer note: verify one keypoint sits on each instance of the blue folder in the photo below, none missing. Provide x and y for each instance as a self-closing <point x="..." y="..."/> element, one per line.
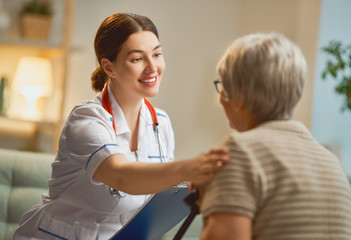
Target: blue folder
<point x="158" y="215"/>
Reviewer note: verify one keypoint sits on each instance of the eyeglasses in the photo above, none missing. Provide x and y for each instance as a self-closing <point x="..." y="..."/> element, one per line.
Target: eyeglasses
<point x="218" y="85"/>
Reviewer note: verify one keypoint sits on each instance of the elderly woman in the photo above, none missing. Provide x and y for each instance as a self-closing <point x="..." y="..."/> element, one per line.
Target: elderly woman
<point x="280" y="182"/>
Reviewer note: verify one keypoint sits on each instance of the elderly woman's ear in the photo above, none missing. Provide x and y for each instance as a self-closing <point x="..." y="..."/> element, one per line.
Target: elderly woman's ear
<point x="238" y="104"/>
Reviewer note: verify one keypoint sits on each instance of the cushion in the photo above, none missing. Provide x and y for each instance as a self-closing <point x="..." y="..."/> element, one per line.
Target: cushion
<point x="23" y="179"/>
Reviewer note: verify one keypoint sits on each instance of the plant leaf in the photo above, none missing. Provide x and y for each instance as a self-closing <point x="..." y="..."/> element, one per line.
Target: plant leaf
<point x="339" y="65"/>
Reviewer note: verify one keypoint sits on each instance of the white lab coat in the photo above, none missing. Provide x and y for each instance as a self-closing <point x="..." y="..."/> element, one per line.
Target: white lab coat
<point x="74" y="195"/>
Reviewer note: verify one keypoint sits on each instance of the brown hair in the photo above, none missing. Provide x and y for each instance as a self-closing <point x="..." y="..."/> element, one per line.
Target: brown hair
<point x="112" y="33"/>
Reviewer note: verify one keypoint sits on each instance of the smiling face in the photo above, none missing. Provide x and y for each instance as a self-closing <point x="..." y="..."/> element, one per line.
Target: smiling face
<point x="136" y="73"/>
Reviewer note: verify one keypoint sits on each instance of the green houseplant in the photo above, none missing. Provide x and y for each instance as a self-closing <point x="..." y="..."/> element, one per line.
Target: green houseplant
<point x="37" y="7"/>
<point x="339" y="68"/>
<point x="36" y="17"/>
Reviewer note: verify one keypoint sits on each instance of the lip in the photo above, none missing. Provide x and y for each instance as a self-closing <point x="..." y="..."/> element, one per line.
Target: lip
<point x="149" y="81"/>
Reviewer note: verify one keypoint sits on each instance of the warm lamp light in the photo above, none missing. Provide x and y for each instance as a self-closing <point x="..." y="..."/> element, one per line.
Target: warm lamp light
<point x="33" y="79"/>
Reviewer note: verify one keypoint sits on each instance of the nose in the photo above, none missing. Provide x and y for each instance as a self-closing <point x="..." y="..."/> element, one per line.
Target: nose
<point x="151" y="66"/>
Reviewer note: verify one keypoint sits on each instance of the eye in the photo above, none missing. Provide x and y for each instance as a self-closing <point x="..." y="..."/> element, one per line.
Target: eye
<point x="157" y="55"/>
<point x="136" y="60"/>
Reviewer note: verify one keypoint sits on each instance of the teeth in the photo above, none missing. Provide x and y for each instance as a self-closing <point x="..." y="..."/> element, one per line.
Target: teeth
<point x="148" y="80"/>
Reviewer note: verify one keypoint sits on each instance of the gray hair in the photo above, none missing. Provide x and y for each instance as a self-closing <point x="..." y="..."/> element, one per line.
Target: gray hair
<point x="267" y="71"/>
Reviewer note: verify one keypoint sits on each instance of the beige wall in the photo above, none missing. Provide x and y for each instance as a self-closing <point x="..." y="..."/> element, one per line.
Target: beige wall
<point x="194" y="35"/>
<point x="296" y="19"/>
<point x="307" y="37"/>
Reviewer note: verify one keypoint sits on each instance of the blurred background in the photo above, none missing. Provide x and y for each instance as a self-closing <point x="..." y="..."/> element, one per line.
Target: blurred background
<point x="194" y="34"/>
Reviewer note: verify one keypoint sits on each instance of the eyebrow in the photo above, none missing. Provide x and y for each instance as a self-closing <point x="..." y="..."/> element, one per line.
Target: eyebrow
<point x="140" y="51"/>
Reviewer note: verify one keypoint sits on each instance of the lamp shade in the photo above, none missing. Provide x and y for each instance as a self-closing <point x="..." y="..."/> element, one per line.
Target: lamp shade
<point x="33" y="77"/>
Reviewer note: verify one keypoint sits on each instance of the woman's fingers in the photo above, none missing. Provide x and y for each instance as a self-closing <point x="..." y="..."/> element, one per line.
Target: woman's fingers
<point x="209" y="163"/>
<point x="219" y="149"/>
<point x="217" y="157"/>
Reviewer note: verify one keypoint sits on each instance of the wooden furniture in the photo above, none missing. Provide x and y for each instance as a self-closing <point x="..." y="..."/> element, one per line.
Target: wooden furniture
<point x="42" y="135"/>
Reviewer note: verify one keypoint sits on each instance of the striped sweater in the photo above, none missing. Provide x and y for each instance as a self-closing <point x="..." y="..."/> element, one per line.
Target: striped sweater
<point x="290" y="185"/>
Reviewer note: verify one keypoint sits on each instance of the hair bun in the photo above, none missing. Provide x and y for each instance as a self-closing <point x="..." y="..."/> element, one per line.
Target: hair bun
<point x="98" y="79"/>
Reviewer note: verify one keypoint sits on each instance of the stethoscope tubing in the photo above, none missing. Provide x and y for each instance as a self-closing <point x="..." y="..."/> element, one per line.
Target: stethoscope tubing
<point x="159" y="145"/>
<point x="107" y="106"/>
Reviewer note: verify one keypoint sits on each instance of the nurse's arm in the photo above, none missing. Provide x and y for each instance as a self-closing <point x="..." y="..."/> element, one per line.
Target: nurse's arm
<point x="143" y="178"/>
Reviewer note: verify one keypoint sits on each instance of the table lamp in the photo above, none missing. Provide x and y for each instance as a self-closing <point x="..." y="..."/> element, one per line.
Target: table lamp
<point x="33" y="79"/>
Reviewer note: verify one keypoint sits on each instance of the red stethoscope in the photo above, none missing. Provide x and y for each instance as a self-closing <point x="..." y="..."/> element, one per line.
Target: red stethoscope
<point x="107" y="106"/>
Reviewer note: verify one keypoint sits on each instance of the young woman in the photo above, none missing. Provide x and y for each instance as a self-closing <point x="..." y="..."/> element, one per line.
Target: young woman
<point x="116" y="148"/>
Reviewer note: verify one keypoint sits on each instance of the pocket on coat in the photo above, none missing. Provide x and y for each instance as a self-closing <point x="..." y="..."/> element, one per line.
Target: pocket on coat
<point x="53" y="228"/>
<point x="153" y="153"/>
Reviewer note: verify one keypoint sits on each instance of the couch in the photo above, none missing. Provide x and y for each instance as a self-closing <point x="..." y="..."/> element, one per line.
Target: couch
<point x="23" y="179"/>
